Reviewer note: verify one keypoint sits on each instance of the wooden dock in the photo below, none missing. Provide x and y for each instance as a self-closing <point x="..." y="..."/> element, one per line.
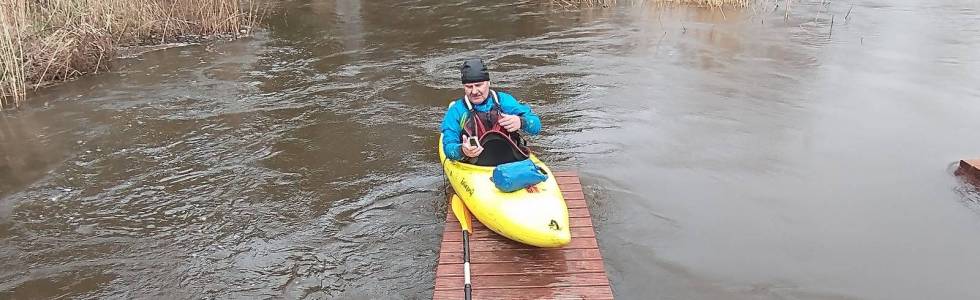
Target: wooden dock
<point x="504" y="269"/>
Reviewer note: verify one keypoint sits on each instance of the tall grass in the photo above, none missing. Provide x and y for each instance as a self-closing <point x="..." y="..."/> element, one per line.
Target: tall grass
<point x="50" y="40"/>
<point x="12" y="20"/>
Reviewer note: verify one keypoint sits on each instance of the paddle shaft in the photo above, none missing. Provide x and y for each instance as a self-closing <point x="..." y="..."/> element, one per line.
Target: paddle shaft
<point x="467" y="288"/>
<point x="466" y="224"/>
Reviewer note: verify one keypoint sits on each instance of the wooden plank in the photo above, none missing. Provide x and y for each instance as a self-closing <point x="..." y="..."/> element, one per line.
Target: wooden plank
<point x="563" y="181"/>
<point x="576" y="203"/>
<point x="580" y="222"/>
<point x="574" y="292"/>
<point x="574" y="199"/>
<point x="531" y="267"/>
<point x="453" y="226"/>
<point x="502" y="244"/>
<point x="972" y="163"/>
<point x="485" y="282"/>
<point x="574" y="221"/>
<point x="578" y="212"/>
<point x="573" y="195"/>
<point x="570" y="188"/>
<point x="564" y="173"/>
<point x="564" y="187"/>
<point x="517" y="256"/>
<point x="479" y="228"/>
<point x="457" y="235"/>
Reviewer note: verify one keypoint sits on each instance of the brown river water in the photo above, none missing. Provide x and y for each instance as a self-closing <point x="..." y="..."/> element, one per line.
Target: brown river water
<point x="724" y="155"/>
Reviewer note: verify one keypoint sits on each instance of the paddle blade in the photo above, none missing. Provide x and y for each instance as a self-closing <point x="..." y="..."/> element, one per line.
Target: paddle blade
<point x="462" y="214"/>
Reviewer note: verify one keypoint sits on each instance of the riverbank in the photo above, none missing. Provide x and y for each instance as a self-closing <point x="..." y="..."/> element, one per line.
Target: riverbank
<point x="61" y="39"/>
<point x="703" y="3"/>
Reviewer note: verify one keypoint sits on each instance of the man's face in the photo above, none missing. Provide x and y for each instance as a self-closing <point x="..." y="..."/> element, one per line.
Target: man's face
<point x="477" y="91"/>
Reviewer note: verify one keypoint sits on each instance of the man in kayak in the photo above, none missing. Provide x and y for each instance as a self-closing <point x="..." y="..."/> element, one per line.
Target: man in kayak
<point x="482" y="126"/>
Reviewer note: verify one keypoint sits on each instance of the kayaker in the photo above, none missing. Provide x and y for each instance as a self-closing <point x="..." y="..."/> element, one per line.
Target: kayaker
<point x="500" y="117"/>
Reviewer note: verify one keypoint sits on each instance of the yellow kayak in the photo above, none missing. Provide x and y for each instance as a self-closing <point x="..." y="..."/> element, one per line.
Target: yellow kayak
<point x="538" y="219"/>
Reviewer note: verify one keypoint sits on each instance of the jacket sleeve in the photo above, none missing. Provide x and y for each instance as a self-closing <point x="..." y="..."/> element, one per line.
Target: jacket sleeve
<point x="452" y="130"/>
<point x="530" y="122"/>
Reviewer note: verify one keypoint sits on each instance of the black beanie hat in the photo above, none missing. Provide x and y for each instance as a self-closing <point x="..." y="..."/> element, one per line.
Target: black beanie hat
<point x="473" y="70"/>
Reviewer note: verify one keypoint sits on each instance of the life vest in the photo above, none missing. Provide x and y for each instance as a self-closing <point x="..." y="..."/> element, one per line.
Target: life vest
<point x="484" y="126"/>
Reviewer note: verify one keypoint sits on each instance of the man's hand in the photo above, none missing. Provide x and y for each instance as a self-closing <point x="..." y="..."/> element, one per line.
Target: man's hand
<point x="470" y="151"/>
<point x="510" y="123"/>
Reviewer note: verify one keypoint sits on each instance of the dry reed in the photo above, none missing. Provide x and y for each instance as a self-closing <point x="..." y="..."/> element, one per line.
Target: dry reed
<point x="583" y="3"/>
<point x="12" y="20"/>
<point x="53" y="40"/>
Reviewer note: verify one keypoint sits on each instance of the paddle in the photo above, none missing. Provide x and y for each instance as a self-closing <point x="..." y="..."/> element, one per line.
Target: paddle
<point x="463" y="215"/>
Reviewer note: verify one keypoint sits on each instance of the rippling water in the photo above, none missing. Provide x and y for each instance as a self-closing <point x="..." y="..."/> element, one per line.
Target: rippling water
<point x="725" y="155"/>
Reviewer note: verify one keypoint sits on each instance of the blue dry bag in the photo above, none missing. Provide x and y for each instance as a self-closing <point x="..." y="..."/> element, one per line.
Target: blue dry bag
<point x="517" y="175"/>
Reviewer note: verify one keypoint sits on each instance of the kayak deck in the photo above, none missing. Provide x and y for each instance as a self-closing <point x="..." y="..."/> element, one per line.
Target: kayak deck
<point x="505" y="269"/>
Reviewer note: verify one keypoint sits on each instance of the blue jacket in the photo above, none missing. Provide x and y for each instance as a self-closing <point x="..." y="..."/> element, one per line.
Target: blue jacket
<point x="452" y="123"/>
